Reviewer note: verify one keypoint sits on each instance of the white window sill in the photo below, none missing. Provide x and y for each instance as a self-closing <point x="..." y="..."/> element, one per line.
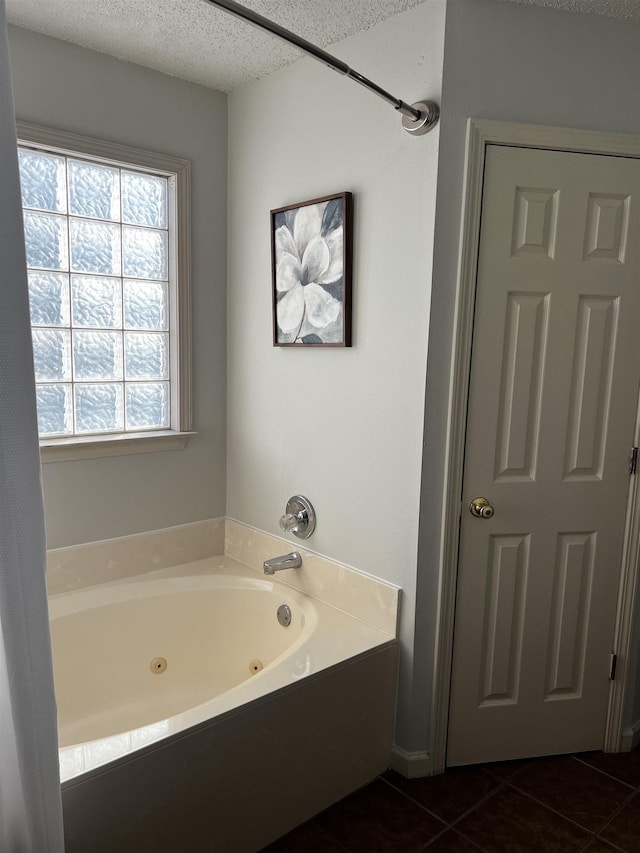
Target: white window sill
<point x="93" y="447"/>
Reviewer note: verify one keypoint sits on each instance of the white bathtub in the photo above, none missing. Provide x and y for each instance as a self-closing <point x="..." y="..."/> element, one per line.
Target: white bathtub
<point x="213" y="623"/>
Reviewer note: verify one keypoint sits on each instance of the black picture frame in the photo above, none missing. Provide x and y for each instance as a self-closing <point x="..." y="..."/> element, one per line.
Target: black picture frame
<point x="312" y="260"/>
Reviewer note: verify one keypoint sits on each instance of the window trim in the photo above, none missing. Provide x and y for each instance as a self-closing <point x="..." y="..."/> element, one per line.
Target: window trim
<point x="117" y="444"/>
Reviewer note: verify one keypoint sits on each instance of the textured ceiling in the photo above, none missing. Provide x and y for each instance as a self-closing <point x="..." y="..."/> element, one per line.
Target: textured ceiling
<point x="193" y="40"/>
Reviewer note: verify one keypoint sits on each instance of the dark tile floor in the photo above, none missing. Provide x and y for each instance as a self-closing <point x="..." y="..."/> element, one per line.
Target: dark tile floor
<point x="587" y="802"/>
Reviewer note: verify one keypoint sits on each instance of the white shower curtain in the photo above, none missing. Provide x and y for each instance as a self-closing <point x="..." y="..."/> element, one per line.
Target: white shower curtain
<point x="30" y="803"/>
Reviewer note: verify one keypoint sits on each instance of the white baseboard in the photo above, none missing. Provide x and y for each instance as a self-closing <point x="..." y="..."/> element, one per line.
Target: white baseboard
<point x="412" y="765"/>
<point x="630" y="737"/>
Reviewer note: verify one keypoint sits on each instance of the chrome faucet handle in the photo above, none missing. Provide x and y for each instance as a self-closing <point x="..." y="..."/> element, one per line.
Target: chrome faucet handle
<point x="300" y="517"/>
<point x="288" y="521"/>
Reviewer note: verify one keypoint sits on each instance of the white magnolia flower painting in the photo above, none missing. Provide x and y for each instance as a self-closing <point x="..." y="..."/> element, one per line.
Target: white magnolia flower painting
<point x="311" y="249"/>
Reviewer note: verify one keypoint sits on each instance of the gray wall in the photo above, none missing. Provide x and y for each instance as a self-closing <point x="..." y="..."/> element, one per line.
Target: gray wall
<point x="343" y="426"/>
<point x="60" y="85"/>
<point x="516" y="63"/>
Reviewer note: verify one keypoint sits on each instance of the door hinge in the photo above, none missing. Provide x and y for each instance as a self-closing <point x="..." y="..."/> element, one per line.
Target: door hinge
<point x="633" y="464"/>
<point x="612" y="667"/>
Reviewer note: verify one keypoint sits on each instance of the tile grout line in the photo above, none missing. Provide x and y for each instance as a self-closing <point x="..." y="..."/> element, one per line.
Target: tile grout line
<point x="380" y="778"/>
<point x="475" y="845"/>
<point x="634" y="790"/>
<point x="603" y="772"/>
<point x="415" y="802"/>
<point x="556" y="812"/>
<point x="451" y="824"/>
<point x="589" y="842"/>
<point x="469" y="838"/>
<point x="502" y="783"/>
<point x="612" y="845"/>
<point x="615" y="814"/>
<point x="592" y="832"/>
<point x="479" y="803"/>
<point x="498" y="784"/>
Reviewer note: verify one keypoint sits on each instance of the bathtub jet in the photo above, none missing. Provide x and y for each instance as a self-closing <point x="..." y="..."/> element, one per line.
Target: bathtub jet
<point x="287" y="561"/>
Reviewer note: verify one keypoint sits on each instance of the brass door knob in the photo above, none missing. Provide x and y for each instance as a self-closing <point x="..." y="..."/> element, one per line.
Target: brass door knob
<point x="481" y="508"/>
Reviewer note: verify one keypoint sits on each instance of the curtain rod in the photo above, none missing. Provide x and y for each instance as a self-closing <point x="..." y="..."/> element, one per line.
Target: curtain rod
<point x="417" y="118"/>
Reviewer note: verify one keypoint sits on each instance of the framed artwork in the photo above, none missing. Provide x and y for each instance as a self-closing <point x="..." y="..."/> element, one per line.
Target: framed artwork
<point x="311" y="256"/>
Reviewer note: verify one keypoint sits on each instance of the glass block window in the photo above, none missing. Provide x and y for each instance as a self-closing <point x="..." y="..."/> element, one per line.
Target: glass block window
<point x="102" y="287"/>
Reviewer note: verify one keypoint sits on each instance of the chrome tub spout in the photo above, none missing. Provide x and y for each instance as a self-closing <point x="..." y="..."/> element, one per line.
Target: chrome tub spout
<point x="288" y="561"/>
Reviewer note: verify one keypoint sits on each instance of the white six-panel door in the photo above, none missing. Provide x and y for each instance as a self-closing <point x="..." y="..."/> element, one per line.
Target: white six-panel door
<point x="552" y="407"/>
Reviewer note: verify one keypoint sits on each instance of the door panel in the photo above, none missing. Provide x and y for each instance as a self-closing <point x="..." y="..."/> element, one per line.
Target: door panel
<point x="552" y="404"/>
<point x="521" y="386"/>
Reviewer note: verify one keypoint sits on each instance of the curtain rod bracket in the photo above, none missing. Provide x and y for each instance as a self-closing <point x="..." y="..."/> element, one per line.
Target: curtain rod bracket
<point x="429" y="113"/>
<point x="417" y="119"/>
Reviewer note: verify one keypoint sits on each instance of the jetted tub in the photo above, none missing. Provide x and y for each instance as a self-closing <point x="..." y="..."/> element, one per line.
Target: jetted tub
<point x="191" y="719"/>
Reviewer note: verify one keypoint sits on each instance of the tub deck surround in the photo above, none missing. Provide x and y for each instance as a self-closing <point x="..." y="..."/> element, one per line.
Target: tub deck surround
<point x="80" y="566"/>
<point x="351" y="590"/>
<point x="196" y="617"/>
